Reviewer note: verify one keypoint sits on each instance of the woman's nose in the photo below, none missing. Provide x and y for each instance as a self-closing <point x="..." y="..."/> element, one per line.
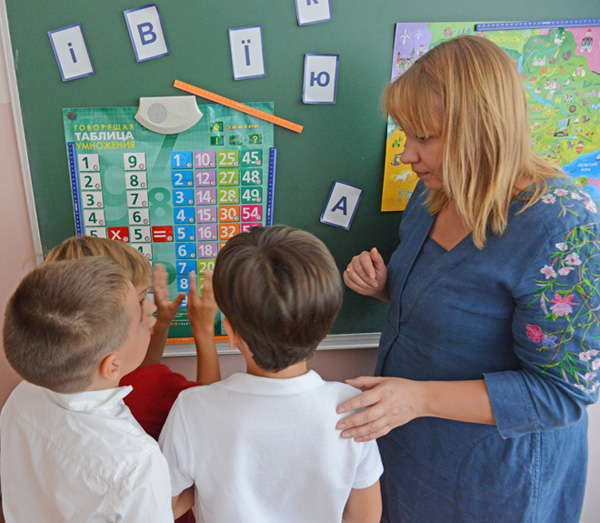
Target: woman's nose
<point x="409" y="155"/>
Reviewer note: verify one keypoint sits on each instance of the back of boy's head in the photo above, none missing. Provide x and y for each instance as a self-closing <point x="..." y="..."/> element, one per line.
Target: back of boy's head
<point x="281" y="290"/>
<point x="63" y="319"/>
<point x="136" y="265"/>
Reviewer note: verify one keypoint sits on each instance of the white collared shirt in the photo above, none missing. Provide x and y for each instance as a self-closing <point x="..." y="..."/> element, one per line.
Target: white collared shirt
<point x="266" y="450"/>
<point x="79" y="458"/>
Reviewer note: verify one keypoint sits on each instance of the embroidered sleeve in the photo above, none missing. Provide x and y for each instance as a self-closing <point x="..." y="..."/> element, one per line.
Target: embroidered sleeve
<point x="556" y="331"/>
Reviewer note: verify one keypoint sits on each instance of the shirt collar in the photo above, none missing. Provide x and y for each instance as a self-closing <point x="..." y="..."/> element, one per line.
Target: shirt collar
<point x="250" y="384"/>
<point x="91" y="399"/>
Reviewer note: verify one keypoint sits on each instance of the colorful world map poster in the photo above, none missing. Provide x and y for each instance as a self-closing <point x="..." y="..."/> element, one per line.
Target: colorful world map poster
<point x="559" y="64"/>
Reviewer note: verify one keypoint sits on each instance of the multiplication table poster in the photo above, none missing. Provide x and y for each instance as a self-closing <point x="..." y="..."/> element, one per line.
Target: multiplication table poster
<point x="177" y="198"/>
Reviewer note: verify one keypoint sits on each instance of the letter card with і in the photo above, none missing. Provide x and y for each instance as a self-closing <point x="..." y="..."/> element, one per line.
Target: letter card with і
<point x="177" y="198"/>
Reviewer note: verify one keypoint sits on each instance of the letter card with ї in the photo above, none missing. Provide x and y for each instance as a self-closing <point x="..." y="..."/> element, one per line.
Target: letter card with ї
<point x="177" y="198"/>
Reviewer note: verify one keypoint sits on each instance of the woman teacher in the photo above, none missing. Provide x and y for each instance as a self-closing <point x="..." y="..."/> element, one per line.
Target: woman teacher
<point x="489" y="354"/>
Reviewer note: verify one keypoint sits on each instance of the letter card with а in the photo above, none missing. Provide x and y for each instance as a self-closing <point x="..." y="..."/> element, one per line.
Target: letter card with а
<point x="341" y="205"/>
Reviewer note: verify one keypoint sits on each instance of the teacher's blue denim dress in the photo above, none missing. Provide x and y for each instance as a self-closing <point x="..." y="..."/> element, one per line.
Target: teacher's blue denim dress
<point x="523" y="314"/>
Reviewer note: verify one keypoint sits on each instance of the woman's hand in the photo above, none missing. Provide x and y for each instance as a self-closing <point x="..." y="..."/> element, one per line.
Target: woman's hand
<point x="387" y="403"/>
<point x="367" y="274"/>
<point x="391" y="402"/>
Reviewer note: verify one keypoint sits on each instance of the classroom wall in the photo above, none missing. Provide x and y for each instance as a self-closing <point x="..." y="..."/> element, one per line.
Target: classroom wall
<point x="332" y="365"/>
<point x="17" y="258"/>
<point x="16" y="243"/>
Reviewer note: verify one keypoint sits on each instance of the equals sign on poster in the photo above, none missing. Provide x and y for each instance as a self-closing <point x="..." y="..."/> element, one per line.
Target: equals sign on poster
<point x="162" y="233"/>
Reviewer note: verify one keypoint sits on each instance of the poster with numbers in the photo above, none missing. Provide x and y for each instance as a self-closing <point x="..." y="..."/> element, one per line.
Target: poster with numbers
<point x="177" y="198"/>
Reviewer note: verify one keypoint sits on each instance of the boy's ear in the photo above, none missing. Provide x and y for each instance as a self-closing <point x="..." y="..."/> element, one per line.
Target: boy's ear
<point x="235" y="340"/>
<point x="232" y="334"/>
<point x="110" y="367"/>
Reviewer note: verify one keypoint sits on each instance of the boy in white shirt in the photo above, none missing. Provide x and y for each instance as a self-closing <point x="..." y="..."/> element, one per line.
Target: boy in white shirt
<point x="263" y="446"/>
<point x="71" y="450"/>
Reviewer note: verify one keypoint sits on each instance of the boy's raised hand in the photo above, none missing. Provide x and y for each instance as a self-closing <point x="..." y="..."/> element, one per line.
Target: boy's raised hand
<point x="165" y="312"/>
<point x="166" y="309"/>
<point x="202" y="311"/>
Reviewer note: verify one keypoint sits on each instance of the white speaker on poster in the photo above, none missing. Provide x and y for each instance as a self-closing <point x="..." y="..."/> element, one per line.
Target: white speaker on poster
<point x="168" y="114"/>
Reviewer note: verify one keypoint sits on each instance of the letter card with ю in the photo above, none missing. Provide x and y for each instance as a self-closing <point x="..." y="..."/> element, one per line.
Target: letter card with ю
<point x="177" y="198"/>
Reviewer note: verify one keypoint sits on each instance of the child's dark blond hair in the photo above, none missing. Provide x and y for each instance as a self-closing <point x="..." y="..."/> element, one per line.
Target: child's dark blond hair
<point x="136" y="265"/>
<point x="63" y="319"/>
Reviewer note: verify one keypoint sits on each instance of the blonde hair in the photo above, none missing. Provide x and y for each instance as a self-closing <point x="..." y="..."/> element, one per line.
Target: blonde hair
<point x="136" y="265"/>
<point x="63" y="319"/>
<point x="468" y="91"/>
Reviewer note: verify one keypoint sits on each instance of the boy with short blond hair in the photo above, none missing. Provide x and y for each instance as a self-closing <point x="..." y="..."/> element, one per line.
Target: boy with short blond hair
<point x="71" y="450"/>
<point x="155" y="385"/>
<point x="263" y="446"/>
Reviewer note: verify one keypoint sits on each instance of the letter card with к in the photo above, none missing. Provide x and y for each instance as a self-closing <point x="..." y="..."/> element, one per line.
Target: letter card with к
<point x="312" y="11"/>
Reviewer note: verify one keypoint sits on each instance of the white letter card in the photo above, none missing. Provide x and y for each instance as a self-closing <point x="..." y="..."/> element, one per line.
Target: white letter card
<point x="247" y="55"/>
<point x="312" y="11"/>
<point x="146" y="33"/>
<point x="71" y="52"/>
<point x="320" y="78"/>
<point x="341" y="205"/>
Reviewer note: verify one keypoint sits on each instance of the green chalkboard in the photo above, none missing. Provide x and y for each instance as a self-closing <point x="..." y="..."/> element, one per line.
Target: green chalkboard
<point x="344" y="141"/>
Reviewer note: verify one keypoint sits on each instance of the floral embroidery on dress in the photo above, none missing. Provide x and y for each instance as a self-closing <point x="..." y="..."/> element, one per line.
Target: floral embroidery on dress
<point x="572" y="304"/>
<point x="566" y="195"/>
